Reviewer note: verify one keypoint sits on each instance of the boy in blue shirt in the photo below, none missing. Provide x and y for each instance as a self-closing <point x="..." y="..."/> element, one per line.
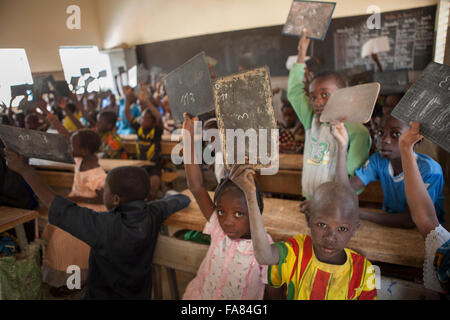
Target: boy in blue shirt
<point x="123" y="125"/>
<point x="386" y="166"/>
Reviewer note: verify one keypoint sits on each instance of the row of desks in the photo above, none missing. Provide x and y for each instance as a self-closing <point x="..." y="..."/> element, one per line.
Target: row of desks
<point x="282" y="220"/>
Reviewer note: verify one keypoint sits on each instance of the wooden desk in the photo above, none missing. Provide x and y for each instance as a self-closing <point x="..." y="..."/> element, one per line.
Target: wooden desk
<point x="106" y="164"/>
<point x="15" y="218"/>
<point x="128" y="137"/>
<point x="282" y="220"/>
<point x="291" y="161"/>
<point x="166" y="147"/>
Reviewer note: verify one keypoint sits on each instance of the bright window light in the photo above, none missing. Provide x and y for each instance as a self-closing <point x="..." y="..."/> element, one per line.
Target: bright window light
<point x="14" y="70"/>
<point x="75" y="58"/>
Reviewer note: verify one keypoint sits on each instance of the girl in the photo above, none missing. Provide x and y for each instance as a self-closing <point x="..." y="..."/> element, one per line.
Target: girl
<point x="229" y="270"/>
<point x="63" y="249"/>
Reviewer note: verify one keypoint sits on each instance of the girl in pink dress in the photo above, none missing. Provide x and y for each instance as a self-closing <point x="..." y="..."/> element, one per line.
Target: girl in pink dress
<point x="64" y="250"/>
<point x="229" y="271"/>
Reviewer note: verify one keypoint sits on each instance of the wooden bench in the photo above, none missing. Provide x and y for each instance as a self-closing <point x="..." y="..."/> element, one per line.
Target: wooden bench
<point x="174" y="254"/>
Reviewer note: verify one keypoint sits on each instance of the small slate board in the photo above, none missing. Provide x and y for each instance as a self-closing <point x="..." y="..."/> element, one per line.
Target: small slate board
<point x="61" y="88"/>
<point x="20" y="90"/>
<point x="84" y="71"/>
<point x="74" y="82"/>
<point x="315" y="16"/>
<point x="392" y="81"/>
<point x="244" y="101"/>
<point x="102" y="74"/>
<point x="428" y="102"/>
<point x="36" y="144"/>
<point x="355" y="103"/>
<point x="189" y="88"/>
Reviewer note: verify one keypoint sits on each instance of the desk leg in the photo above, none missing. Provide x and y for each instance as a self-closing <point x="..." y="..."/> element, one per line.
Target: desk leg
<point x="36" y="228"/>
<point x="20" y="233"/>
<point x="171" y="274"/>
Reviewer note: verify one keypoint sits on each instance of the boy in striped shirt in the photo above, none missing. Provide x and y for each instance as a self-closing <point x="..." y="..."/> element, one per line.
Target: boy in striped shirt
<point x="316" y="267"/>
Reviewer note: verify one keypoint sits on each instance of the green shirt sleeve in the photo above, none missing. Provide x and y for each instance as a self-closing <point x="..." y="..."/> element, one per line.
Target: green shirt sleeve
<point x="297" y="96"/>
<point x="358" y="146"/>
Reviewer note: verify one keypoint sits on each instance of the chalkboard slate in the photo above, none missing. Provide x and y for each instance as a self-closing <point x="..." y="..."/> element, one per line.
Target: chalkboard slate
<point x="244" y="101"/>
<point x="392" y="81"/>
<point x="315" y="16"/>
<point x="268" y="46"/>
<point x="428" y="102"/>
<point x="355" y="103"/>
<point x="189" y="88"/>
<point x="36" y="144"/>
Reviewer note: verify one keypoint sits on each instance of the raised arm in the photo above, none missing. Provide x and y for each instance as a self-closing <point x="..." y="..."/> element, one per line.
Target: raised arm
<point x="147" y="104"/>
<point x="419" y="202"/>
<point x="62" y="103"/>
<point x="265" y="253"/>
<point x="128" y="101"/>
<point x="193" y="172"/>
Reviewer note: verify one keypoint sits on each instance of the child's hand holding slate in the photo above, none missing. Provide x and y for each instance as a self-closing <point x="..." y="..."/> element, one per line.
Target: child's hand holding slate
<point x="339" y="133"/>
<point x="242" y="176"/>
<point x="410" y="137"/>
<point x="16" y="162"/>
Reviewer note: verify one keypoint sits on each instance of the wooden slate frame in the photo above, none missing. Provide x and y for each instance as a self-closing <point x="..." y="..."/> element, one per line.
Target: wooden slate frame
<point x="36" y="144"/>
<point x="238" y="85"/>
<point x="294" y="3"/>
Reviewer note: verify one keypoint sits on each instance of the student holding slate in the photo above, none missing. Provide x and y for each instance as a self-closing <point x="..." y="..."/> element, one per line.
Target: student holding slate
<point x="319" y="160"/>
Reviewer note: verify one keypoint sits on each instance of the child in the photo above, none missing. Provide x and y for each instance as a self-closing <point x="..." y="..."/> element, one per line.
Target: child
<point x="63" y="249"/>
<point x="320" y="149"/>
<point x="436" y="269"/>
<point x="229" y="270"/>
<point x="123" y="125"/>
<point x="292" y="135"/>
<point x="122" y="240"/>
<point x="112" y="146"/>
<point x="386" y="166"/>
<point x="316" y="267"/>
<point x="149" y="128"/>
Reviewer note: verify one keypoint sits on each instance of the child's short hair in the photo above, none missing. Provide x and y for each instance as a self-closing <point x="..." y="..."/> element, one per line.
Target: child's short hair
<point x="286" y="105"/>
<point x="340" y="79"/>
<point x="227" y="184"/>
<point x="109" y="116"/>
<point x="335" y="194"/>
<point x="129" y="183"/>
<point x="89" y="140"/>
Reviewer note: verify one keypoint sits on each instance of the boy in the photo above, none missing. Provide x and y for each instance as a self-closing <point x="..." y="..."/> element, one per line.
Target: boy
<point x="386" y="166"/>
<point x="112" y="146"/>
<point x="149" y="128"/>
<point x="122" y="240"/>
<point x="320" y="149"/>
<point x="316" y="267"/>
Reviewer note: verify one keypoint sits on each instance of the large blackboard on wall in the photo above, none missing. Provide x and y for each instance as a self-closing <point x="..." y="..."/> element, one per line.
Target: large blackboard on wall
<point x="411" y="34"/>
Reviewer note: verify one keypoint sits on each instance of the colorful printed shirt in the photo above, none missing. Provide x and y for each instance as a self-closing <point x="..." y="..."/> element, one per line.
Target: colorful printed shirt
<point x="148" y="146"/>
<point x="307" y="278"/>
<point x="112" y="146"/>
<point x="380" y="169"/>
<point x="319" y="160"/>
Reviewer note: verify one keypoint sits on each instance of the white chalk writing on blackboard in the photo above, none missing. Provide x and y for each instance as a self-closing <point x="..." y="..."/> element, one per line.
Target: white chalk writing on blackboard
<point x="443" y="84"/>
<point x="187" y="98"/>
<point x="24" y="137"/>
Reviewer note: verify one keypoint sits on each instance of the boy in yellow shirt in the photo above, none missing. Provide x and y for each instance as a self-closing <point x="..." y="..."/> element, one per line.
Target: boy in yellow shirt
<point x="316" y="267"/>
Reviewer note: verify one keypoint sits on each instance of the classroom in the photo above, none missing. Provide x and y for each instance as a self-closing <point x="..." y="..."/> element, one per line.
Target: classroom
<point x="224" y="150"/>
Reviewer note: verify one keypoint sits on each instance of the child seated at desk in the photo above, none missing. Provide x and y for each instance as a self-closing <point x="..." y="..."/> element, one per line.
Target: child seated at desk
<point x="123" y="125"/>
<point x="386" y="166"/>
<point x="292" y="135"/>
<point x="112" y="146"/>
<point x="63" y="249"/>
<point x="122" y="240"/>
<point x="316" y="267"/>
<point x="149" y="129"/>
<point x="229" y="271"/>
<point x="319" y="160"/>
<point x="436" y="268"/>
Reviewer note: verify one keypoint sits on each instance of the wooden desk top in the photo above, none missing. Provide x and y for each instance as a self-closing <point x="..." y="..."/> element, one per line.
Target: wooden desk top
<point x="282" y="220"/>
<point x="291" y="161"/>
<point x="106" y="164"/>
<point x="128" y="137"/>
<point x="12" y="217"/>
